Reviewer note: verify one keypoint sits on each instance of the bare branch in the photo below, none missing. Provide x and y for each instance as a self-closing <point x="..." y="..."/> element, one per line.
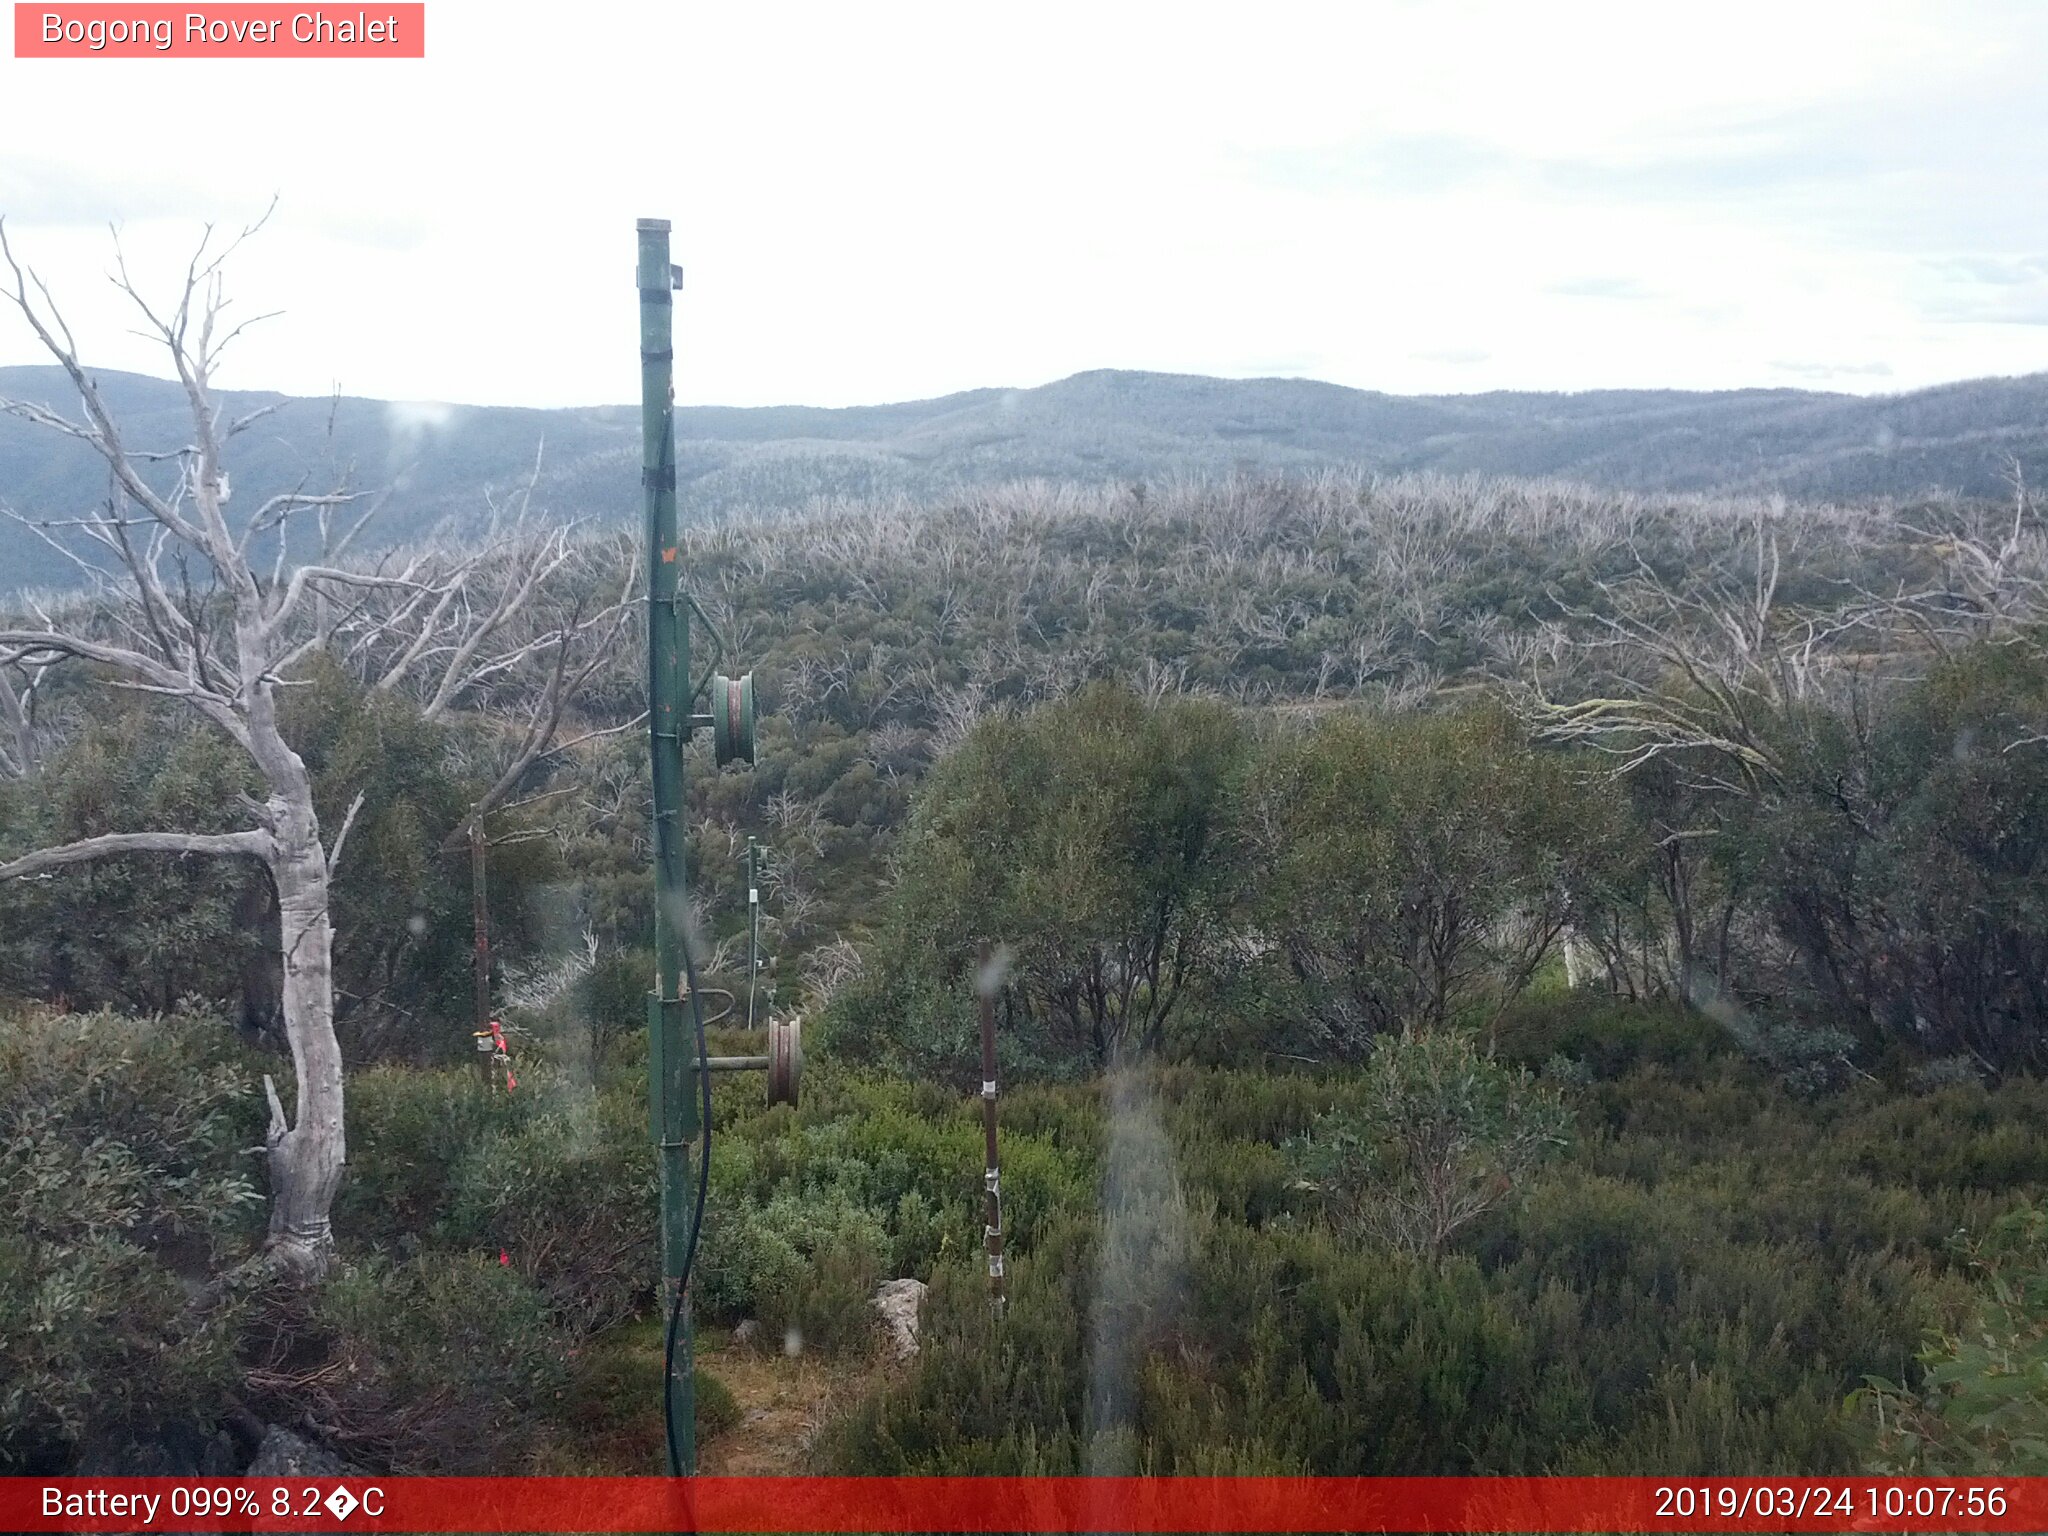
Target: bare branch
<point x="341" y="838"/>
<point x="305" y="575"/>
<point x="251" y="845"/>
<point x="103" y="436"/>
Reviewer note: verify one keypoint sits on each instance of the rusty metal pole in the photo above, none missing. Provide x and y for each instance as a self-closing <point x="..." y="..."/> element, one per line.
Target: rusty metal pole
<point x="481" y="908"/>
<point x="992" y="1177"/>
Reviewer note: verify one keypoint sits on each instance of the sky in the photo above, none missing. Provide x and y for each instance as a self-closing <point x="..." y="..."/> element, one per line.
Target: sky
<point x="886" y="201"/>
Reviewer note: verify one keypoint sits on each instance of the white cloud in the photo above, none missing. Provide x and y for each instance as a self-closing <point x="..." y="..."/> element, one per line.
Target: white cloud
<point x="894" y="201"/>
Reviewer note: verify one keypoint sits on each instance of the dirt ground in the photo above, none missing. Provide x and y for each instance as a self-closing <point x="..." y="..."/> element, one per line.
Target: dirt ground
<point x="783" y="1401"/>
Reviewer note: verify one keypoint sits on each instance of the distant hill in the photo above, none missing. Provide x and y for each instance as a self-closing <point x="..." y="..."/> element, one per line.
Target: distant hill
<point x="439" y="461"/>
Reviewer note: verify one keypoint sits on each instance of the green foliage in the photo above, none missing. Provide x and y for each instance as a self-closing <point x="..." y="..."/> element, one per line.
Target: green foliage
<point x="1982" y="1405"/>
<point x="445" y="1363"/>
<point x="1296" y="894"/>
<point x="1696" y="1282"/>
<point x="404" y="932"/>
<point x="1442" y="1135"/>
<point x="1907" y="858"/>
<point x="98" y="1338"/>
<point x="911" y="1154"/>
<point x="558" y="1176"/>
<point x="407" y="1129"/>
<point x="609" y="1001"/>
<point x="1743" y="1229"/>
<point x="143" y="932"/>
<point x="123" y="1169"/>
<point x="1090" y="838"/>
<point x="795" y="1262"/>
<point x="569" y="1196"/>
<point x="1411" y="868"/>
<point x="1610" y="1037"/>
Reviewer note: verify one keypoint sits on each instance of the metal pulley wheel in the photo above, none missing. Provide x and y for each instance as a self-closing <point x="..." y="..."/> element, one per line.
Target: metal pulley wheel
<point x="732" y="718"/>
<point x="785" y="1059"/>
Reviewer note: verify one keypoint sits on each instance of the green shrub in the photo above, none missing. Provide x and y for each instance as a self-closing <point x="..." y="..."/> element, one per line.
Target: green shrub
<point x="1411" y="869"/>
<point x="1982" y="1403"/>
<point x="407" y="1129"/>
<point x="1609" y="1035"/>
<point x="809" y="1262"/>
<point x="569" y="1196"/>
<point x="444" y="1363"/>
<point x="124" y="1178"/>
<point x="1092" y="837"/>
<point x="1698" y="1280"/>
<point x="556" y="1175"/>
<point x="97" y="1338"/>
<point x="608" y="1003"/>
<point x="1442" y="1135"/>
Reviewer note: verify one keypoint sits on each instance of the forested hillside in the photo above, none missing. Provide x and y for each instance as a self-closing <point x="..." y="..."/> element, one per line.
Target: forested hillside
<point x="1101" y="428"/>
<point x="1501" y="977"/>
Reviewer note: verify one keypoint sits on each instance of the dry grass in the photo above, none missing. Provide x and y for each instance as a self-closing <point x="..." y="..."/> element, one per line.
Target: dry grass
<point x="784" y="1402"/>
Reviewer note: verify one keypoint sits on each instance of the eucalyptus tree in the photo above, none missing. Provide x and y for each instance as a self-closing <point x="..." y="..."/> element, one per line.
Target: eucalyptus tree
<point x="180" y="606"/>
<point x="1092" y="836"/>
<point x="1408" y="870"/>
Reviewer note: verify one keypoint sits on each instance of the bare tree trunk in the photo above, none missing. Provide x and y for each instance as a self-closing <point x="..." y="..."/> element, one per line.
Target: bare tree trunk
<point x="261" y="1019"/>
<point x="306" y="1157"/>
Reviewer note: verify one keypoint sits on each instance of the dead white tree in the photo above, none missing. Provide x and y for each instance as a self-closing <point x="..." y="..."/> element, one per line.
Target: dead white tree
<point x="1702" y="676"/>
<point x="21" y="676"/>
<point x="180" y="611"/>
<point x="1992" y="576"/>
<point x="1704" y="680"/>
<point x="512" y="631"/>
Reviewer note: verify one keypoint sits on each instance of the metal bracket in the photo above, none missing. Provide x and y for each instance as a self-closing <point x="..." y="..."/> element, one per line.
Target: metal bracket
<point x="661" y="293"/>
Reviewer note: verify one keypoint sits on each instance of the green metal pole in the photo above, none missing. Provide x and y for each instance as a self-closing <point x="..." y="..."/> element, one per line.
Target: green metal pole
<point x="753" y="930"/>
<point x="671" y="1055"/>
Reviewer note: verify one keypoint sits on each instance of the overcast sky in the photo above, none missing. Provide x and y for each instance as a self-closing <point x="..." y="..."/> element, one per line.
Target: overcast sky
<point x="879" y="202"/>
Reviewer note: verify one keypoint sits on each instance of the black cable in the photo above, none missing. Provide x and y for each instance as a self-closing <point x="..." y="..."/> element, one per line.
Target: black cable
<point x="675" y="1309"/>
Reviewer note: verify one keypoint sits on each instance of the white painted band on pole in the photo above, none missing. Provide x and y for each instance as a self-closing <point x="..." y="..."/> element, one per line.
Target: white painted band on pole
<point x="995" y="1266"/>
<point x="753" y="896"/>
<point x="988" y="1089"/>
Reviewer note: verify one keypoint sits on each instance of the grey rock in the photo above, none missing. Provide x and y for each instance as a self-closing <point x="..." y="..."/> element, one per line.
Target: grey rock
<point x="899" y="1302"/>
<point x="747" y="1334"/>
<point x="284" y="1454"/>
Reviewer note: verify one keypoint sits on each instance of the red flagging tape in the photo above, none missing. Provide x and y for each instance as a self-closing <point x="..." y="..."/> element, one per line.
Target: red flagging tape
<point x="1021" y="1504"/>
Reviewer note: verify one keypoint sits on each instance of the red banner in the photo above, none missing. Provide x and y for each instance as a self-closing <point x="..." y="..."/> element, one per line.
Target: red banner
<point x="224" y="31"/>
<point x="1101" y="1504"/>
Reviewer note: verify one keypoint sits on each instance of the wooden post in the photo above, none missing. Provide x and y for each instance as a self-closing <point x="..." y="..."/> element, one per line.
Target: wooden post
<point x="992" y="1178"/>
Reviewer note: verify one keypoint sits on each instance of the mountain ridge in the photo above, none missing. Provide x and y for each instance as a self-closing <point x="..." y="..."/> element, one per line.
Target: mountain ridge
<point x="439" y="460"/>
